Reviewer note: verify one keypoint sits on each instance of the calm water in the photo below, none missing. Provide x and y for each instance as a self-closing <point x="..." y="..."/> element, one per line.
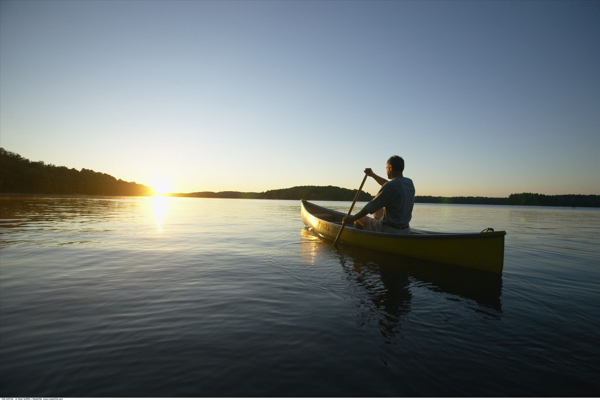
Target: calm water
<point x="204" y="297"/>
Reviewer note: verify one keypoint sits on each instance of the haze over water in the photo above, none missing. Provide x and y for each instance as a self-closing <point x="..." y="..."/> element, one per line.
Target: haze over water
<point x="202" y="297"/>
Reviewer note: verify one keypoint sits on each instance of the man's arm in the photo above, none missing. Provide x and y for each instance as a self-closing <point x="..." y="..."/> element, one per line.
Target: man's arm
<point x="378" y="179"/>
<point x="380" y="198"/>
<point x="351" y="218"/>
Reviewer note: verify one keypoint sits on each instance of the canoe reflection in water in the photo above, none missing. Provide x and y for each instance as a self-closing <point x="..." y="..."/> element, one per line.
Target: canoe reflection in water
<point x="382" y="282"/>
<point x="387" y="290"/>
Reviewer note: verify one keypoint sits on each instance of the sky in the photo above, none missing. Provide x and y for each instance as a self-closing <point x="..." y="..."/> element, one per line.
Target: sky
<point x="481" y="98"/>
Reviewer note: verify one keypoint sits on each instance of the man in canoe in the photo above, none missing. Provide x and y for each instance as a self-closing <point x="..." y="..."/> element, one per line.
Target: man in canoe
<point x="394" y="202"/>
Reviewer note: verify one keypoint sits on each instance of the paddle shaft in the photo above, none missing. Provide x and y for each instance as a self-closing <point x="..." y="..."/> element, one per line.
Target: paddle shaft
<point x="350" y="212"/>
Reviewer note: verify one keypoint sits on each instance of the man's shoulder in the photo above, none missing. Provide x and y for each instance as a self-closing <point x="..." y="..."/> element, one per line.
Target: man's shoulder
<point x="401" y="181"/>
<point x="397" y="184"/>
<point x="393" y="185"/>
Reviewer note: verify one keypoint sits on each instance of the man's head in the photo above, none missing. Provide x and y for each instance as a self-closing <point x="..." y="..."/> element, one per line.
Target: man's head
<point x="395" y="167"/>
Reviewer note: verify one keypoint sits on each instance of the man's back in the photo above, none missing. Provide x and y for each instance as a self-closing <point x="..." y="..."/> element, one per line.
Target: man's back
<point x="399" y="211"/>
<point x="397" y="197"/>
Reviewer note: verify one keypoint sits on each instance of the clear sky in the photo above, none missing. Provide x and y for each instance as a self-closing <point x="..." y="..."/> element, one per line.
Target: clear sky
<point x="481" y="98"/>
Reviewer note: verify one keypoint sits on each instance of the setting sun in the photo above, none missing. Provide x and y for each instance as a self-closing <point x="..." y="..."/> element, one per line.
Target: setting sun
<point x="161" y="186"/>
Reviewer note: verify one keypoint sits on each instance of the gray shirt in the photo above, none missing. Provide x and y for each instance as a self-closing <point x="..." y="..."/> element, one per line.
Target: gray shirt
<point x="397" y="197"/>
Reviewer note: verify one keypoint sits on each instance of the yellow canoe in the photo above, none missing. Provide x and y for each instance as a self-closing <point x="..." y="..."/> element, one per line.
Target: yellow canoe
<point x="482" y="251"/>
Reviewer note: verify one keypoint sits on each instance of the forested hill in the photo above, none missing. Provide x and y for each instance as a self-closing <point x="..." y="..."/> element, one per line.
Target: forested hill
<point x="316" y="193"/>
<point x="295" y="193"/>
<point x="19" y="175"/>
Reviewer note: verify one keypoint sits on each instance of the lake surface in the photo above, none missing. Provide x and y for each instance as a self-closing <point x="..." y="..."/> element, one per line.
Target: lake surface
<point x="181" y="297"/>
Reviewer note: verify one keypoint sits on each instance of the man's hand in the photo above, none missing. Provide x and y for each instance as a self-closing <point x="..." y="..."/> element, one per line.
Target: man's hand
<point x="377" y="178"/>
<point x="349" y="219"/>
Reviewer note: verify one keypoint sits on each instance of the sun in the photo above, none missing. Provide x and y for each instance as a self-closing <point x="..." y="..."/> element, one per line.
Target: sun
<point x="161" y="186"/>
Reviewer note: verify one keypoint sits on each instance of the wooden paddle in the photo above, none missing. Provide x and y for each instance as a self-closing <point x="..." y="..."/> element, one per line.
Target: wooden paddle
<point x="350" y="212"/>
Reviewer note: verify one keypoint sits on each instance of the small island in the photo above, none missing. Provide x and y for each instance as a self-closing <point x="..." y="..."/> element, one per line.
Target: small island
<point x="332" y="193"/>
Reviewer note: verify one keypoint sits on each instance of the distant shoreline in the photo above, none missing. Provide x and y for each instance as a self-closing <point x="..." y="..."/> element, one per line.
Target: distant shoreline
<point x="325" y="193"/>
<point x="21" y="177"/>
<point x="523" y="199"/>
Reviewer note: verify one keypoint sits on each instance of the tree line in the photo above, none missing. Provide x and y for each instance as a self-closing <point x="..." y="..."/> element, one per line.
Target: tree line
<point x="316" y="193"/>
<point x="219" y="195"/>
<point x="461" y="200"/>
<point x="564" y="200"/>
<point x="295" y="193"/>
<point x="341" y="194"/>
<point x="19" y="175"/>
<point x="520" y="199"/>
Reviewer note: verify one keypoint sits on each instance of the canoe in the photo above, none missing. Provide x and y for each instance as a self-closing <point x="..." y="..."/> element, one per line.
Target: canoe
<point x="482" y="251"/>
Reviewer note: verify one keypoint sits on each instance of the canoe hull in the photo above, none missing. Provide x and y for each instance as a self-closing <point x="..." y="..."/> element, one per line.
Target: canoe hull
<point x="483" y="251"/>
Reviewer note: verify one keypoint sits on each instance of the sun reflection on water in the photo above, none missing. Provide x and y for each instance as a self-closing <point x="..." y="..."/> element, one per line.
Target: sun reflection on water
<point x="311" y="245"/>
<point x="159" y="204"/>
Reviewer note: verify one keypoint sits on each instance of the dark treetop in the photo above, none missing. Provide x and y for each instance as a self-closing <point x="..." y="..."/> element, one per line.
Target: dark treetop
<point x="19" y="175"/>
